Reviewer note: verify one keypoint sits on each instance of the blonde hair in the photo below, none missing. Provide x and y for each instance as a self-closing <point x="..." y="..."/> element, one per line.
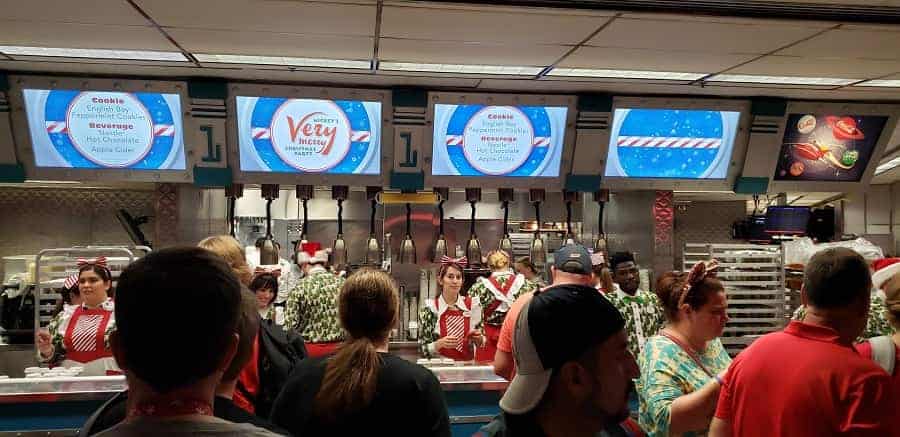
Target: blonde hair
<point x="367" y="309"/>
<point x="498" y="260"/>
<point x="892" y="300"/>
<point x="229" y="248"/>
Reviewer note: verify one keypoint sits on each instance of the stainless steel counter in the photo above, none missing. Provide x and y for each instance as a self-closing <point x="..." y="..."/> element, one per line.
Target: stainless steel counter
<point x="19" y="390"/>
<point x="469" y="378"/>
<point x="79" y="388"/>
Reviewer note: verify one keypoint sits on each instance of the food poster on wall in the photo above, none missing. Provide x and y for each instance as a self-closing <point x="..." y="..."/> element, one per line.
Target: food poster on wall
<point x="512" y="141"/>
<point x="309" y="135"/>
<point x="671" y="143"/>
<point x="828" y="147"/>
<point x="105" y="129"/>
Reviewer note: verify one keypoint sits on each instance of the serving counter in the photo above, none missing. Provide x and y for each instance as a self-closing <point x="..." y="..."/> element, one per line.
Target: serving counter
<point x="59" y="406"/>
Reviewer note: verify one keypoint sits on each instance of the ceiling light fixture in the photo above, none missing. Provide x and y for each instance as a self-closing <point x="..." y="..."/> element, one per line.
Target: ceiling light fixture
<point x="890" y="165"/>
<point x="58" y="52"/>
<point x="284" y="60"/>
<point x="781" y="80"/>
<point x="885" y="83"/>
<point x="514" y="70"/>
<point x="624" y="74"/>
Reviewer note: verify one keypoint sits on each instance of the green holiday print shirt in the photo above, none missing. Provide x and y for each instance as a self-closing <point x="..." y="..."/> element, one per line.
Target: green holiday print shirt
<point x="429" y="331"/>
<point x="312" y="307"/>
<point x="481" y="289"/>
<point x="667" y="373"/>
<point x="877" y="324"/>
<point x="643" y="314"/>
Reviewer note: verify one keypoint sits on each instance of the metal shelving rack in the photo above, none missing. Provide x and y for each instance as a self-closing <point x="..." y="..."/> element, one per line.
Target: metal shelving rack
<point x="52" y="266"/>
<point x="755" y="285"/>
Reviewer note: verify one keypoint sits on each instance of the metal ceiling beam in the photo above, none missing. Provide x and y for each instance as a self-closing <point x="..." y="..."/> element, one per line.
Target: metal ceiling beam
<point x="824" y="202"/>
<point x="805" y="11"/>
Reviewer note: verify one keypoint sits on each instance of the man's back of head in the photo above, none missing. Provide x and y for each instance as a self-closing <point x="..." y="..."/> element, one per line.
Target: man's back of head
<point x="572" y="265"/>
<point x="836" y="287"/>
<point x="176" y="313"/>
<point x="836" y="277"/>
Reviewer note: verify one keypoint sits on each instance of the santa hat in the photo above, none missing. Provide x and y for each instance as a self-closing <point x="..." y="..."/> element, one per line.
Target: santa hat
<point x="885" y="269"/>
<point x="312" y="253"/>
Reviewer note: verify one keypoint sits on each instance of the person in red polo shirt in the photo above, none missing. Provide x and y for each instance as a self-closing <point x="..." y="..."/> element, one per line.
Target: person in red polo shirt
<point x="808" y="380"/>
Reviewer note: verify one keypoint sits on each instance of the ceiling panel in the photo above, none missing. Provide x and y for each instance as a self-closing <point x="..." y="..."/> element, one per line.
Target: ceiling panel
<point x="700" y="36"/>
<point x="273" y="44"/>
<point x="655" y="60"/>
<point x="117" y="12"/>
<point x="818" y="67"/>
<point x="727" y="20"/>
<point x="463" y="53"/>
<point x="244" y="74"/>
<point x="93" y="36"/>
<point x="265" y="16"/>
<point x="851" y="43"/>
<point x="487" y="26"/>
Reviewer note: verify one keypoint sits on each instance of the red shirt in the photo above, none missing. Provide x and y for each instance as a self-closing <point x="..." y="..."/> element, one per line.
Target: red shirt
<point x="248" y="381"/>
<point x="804" y="382"/>
<point x="865" y="349"/>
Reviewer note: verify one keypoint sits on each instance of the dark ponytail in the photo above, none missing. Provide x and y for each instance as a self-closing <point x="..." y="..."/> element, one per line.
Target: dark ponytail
<point x="367" y="309"/>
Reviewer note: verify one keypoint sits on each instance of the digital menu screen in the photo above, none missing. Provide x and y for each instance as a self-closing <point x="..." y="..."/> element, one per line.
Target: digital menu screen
<point x="828" y="147"/>
<point x="671" y="143"/>
<point x="309" y="135"/>
<point x="105" y="129"/>
<point x="482" y="140"/>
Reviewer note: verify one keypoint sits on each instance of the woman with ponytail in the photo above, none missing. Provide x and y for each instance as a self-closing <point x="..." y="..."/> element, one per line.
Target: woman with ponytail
<point x="362" y="389"/>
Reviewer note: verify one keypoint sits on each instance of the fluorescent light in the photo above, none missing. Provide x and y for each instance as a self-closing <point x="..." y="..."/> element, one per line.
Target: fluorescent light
<point x="624" y="74"/>
<point x="887" y="83"/>
<point x="56" y="52"/>
<point x="781" y="80"/>
<point x="702" y="192"/>
<point x="284" y="60"/>
<point x="890" y="165"/>
<point x="36" y="181"/>
<point x="461" y="69"/>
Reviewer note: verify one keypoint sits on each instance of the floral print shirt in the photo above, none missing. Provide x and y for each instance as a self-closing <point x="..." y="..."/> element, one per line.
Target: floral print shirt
<point x="667" y="373"/>
<point x="643" y="314"/>
<point x="312" y="307"/>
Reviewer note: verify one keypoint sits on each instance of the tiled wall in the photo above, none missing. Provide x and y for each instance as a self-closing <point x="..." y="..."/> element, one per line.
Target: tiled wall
<point x="705" y="222"/>
<point x="32" y="219"/>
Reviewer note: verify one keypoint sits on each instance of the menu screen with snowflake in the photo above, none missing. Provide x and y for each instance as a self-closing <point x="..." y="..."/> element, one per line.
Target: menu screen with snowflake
<point x="509" y="141"/>
<point x="284" y="135"/>
<point x="828" y="147"/>
<point x="105" y="129"/>
<point x="671" y="143"/>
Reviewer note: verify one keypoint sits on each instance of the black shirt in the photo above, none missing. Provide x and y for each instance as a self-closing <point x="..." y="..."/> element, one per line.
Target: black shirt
<point x="408" y="402"/>
<point x="114" y="412"/>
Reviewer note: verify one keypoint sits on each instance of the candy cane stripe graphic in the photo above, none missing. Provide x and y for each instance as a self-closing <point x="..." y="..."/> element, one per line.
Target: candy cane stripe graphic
<point x="456" y="326"/>
<point x="454" y="140"/>
<point x="359" y="136"/>
<point x="674" y="142"/>
<point x="56" y="127"/>
<point x="84" y="335"/>
<point x="164" y="130"/>
<point x="260" y="133"/>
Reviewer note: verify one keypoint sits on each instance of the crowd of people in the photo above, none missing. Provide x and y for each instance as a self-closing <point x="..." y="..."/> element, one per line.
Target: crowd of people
<point x="592" y="353"/>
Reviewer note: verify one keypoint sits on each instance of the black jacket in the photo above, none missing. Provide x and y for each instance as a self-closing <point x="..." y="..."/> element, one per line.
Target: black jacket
<point x="114" y="411"/>
<point x="279" y="353"/>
